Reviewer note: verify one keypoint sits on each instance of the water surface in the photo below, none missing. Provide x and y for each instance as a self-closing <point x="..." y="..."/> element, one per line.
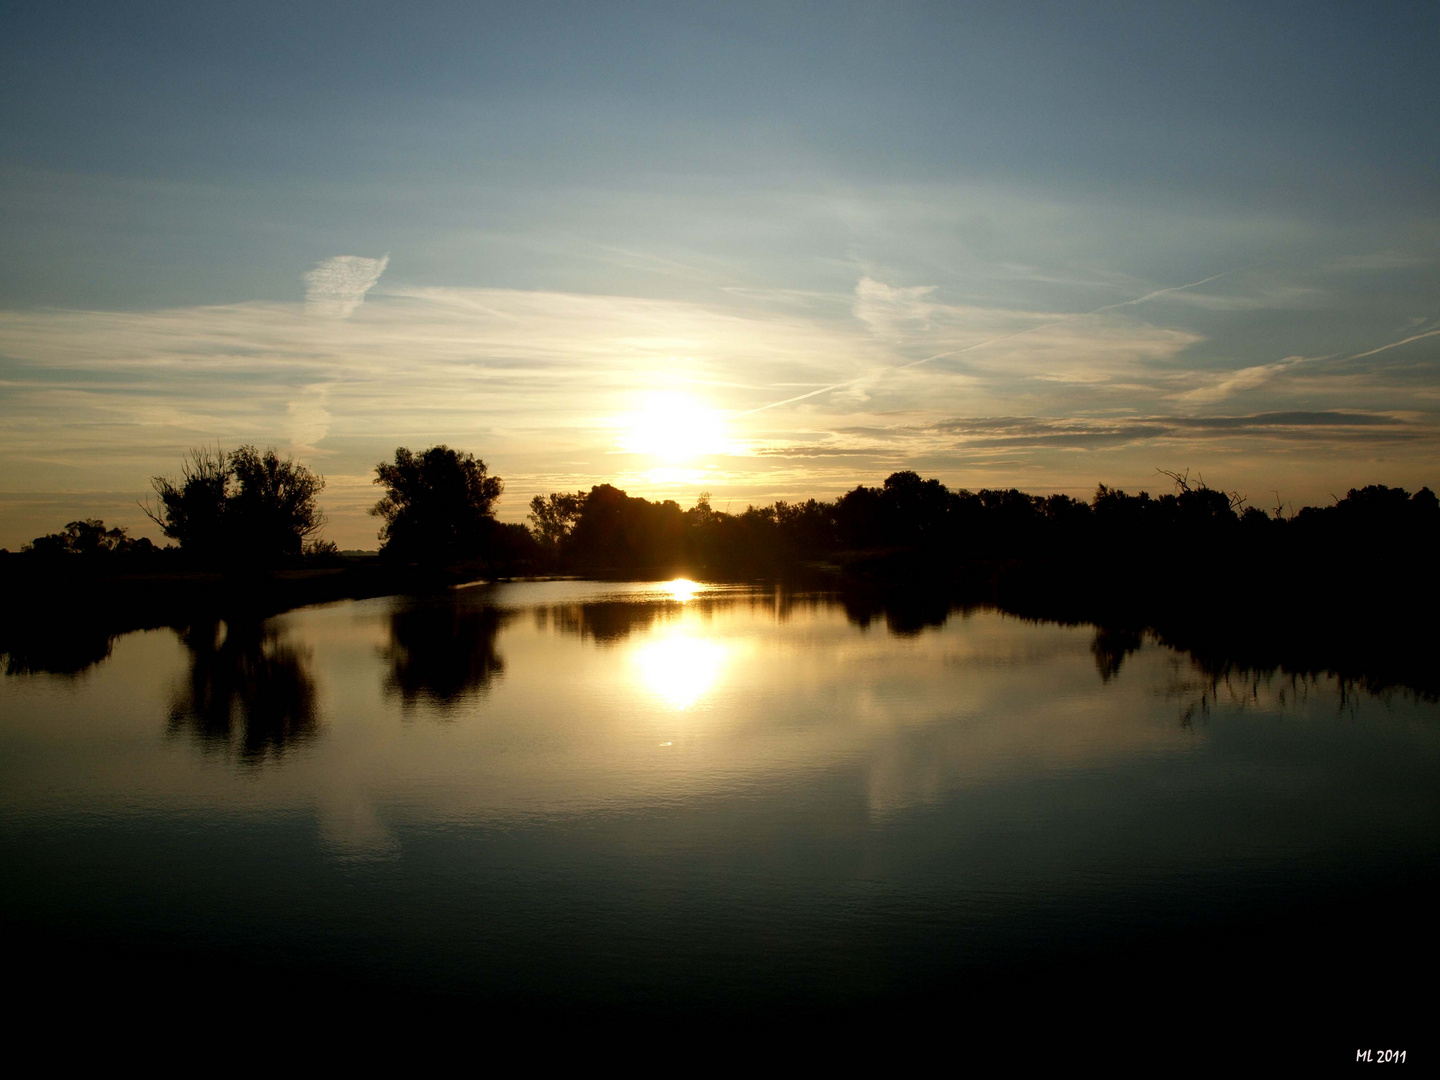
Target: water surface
<point x="580" y="796"/>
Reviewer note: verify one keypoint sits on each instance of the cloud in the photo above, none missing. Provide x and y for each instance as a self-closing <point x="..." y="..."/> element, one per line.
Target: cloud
<point x="993" y="348"/>
<point x="1081" y="433"/>
<point x="823" y="451"/>
<point x="1041" y="431"/>
<point x="1252" y="378"/>
<point x="1287" y="419"/>
<point x="337" y="286"/>
<point x="1276" y="297"/>
<point x="309" y="419"/>
<point x="1249" y="378"/>
<point x="889" y="311"/>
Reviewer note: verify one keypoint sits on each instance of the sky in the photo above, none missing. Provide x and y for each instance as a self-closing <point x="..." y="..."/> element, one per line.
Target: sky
<point x="763" y="251"/>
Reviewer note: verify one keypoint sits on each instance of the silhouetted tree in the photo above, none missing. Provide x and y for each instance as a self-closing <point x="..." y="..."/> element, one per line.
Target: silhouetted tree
<point x="615" y="531"/>
<point x="241" y="506"/>
<point x="914" y="509"/>
<point x="273" y="511"/>
<point x="437" y="505"/>
<point x="554" y="517"/>
<point x="89" y="538"/>
<point x="514" y="550"/>
<point x="191" y="510"/>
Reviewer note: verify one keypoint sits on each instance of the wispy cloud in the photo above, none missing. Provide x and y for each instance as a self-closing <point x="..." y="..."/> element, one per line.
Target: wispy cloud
<point x="1008" y="433"/>
<point x="1250" y="378"/>
<point x="1261" y="421"/>
<point x="892" y="311"/>
<point x="1003" y="431"/>
<point x="309" y="419"/>
<point x="1081" y="347"/>
<point x="1218" y="388"/>
<point x="337" y="286"/>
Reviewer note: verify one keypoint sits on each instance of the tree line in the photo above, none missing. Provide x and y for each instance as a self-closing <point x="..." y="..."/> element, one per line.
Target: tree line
<point x="1348" y="587"/>
<point x="914" y="525"/>
<point x="248" y="507"/>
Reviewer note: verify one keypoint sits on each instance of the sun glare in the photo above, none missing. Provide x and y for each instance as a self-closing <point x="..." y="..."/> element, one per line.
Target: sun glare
<point x="680" y="670"/>
<point x="673" y="428"/>
<point x="682" y="589"/>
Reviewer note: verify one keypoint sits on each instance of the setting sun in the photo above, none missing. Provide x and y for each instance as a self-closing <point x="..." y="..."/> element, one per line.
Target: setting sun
<point x="673" y="428"/>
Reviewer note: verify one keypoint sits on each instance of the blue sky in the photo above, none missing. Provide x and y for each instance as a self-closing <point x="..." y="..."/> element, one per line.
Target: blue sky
<point x="558" y="235"/>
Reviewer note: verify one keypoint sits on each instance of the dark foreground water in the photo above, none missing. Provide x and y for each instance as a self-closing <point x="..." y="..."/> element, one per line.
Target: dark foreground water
<point x="645" y="802"/>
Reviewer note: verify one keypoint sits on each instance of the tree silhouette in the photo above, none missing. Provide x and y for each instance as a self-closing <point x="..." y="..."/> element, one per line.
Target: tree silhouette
<point x="89" y="538"/>
<point x="240" y="506"/>
<point x="274" y="509"/>
<point x="191" y="510"/>
<point x="555" y="517"/>
<point x="437" y="505"/>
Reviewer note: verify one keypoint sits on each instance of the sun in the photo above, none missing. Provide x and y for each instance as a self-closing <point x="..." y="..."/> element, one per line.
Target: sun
<point x="673" y="428"/>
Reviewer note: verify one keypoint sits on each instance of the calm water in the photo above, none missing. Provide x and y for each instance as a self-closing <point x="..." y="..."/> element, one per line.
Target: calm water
<point x="588" y="796"/>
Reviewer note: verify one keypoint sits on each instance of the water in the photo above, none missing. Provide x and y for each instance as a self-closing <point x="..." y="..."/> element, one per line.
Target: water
<point x="587" y="798"/>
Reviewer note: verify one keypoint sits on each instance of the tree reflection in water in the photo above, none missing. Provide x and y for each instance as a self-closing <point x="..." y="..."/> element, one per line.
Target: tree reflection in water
<point x="906" y="611"/>
<point x="249" y="691"/>
<point x="1111" y="646"/>
<point x="442" y="652"/>
<point x="57" y="646"/>
<point x="608" y="622"/>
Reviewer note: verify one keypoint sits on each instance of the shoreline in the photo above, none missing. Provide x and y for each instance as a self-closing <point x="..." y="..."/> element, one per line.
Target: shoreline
<point x="62" y="622"/>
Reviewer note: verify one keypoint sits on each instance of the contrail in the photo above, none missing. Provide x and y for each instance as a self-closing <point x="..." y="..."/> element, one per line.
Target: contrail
<point x="1010" y="337"/>
<point x="800" y="397"/>
<point x="1392" y="345"/>
<point x="1172" y="288"/>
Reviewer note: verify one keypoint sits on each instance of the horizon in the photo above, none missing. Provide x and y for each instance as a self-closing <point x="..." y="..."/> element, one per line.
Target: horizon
<point x="760" y="253"/>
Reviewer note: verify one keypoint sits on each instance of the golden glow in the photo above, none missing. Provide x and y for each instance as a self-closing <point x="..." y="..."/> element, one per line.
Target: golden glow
<point x="679" y="669"/>
<point x="670" y="475"/>
<point x="674" y="428"/>
<point x="682" y="589"/>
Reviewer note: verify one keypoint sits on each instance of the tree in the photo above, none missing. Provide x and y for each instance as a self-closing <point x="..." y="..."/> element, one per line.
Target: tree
<point x="555" y="517"/>
<point x="191" y="511"/>
<point x="437" y="505"/>
<point x="243" y="505"/>
<point x="88" y="537"/>
<point x="273" y="510"/>
<point x="615" y="530"/>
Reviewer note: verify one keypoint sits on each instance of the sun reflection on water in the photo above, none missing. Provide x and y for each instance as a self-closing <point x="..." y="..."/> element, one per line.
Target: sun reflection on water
<point x="680" y="669"/>
<point x="682" y="589"/>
